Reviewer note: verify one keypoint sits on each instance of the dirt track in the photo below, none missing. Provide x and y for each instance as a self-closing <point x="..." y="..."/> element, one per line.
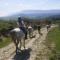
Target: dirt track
<point x="34" y="46"/>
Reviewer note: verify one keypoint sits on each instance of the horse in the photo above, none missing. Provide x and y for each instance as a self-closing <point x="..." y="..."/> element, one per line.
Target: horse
<point x="30" y="31"/>
<point x="17" y="36"/>
<point x="39" y="28"/>
<point x="48" y="26"/>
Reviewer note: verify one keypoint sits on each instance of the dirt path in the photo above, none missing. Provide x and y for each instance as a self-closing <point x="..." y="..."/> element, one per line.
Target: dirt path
<point x="34" y="46"/>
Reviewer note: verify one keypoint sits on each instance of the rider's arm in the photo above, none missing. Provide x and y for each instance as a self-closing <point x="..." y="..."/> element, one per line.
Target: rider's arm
<point x="23" y="23"/>
<point x="18" y="24"/>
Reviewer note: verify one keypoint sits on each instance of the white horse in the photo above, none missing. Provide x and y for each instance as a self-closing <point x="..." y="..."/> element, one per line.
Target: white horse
<point x="17" y="35"/>
<point x="48" y="26"/>
<point x="30" y="31"/>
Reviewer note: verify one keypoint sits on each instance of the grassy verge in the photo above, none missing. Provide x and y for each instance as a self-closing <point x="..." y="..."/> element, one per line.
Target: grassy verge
<point x="54" y="36"/>
<point x="52" y="44"/>
<point x="6" y="41"/>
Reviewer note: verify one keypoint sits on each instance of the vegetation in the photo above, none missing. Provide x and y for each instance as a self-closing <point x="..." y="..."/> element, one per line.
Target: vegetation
<point x="6" y="41"/>
<point x="53" y="44"/>
<point x="6" y="24"/>
<point x="5" y="27"/>
<point x="53" y="38"/>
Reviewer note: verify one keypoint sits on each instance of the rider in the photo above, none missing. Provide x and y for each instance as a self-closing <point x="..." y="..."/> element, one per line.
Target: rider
<point x="22" y="26"/>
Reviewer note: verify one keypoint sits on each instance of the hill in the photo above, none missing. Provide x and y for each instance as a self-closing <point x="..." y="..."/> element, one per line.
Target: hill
<point x="34" y="14"/>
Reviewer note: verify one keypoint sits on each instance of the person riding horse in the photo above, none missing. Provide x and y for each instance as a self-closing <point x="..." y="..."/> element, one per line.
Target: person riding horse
<point x="22" y="26"/>
<point x="19" y="34"/>
<point x="30" y="30"/>
<point x="48" y="26"/>
<point x="39" y="29"/>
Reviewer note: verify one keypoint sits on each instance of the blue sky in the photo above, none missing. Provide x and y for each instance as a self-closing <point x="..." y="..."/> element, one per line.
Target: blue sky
<point x="8" y="7"/>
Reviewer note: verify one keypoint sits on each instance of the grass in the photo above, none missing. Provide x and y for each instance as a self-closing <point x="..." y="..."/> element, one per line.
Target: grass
<point x="6" y="41"/>
<point x="54" y="36"/>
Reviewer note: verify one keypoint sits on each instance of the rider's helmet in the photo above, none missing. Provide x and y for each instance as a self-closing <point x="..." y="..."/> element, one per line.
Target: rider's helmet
<point x="19" y="19"/>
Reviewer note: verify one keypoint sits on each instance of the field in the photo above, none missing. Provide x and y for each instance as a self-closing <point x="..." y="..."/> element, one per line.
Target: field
<point x="6" y="41"/>
<point x="53" y="38"/>
<point x="4" y="31"/>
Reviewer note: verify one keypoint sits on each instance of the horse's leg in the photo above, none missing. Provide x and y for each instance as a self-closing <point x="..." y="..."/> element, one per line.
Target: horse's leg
<point x="14" y="40"/>
<point x="20" y="44"/>
<point x="24" y="43"/>
<point x="16" y="43"/>
<point x="47" y="28"/>
<point x="32" y="32"/>
<point x="16" y="46"/>
<point x="29" y="34"/>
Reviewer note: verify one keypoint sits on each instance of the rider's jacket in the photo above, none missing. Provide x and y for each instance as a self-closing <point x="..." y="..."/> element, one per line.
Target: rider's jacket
<point x="21" y="23"/>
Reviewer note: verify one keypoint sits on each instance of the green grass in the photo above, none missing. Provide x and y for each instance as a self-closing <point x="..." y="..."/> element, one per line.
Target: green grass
<point x="54" y="36"/>
<point x="6" y="41"/>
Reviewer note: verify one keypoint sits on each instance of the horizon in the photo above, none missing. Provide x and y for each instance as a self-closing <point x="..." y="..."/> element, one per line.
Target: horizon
<point x="9" y="7"/>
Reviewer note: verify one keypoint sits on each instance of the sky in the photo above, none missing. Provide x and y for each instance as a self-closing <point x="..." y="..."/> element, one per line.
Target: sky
<point x="8" y="7"/>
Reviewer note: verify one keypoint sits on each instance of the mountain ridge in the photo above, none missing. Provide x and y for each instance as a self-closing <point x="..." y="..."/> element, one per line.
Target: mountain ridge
<point x="34" y="14"/>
